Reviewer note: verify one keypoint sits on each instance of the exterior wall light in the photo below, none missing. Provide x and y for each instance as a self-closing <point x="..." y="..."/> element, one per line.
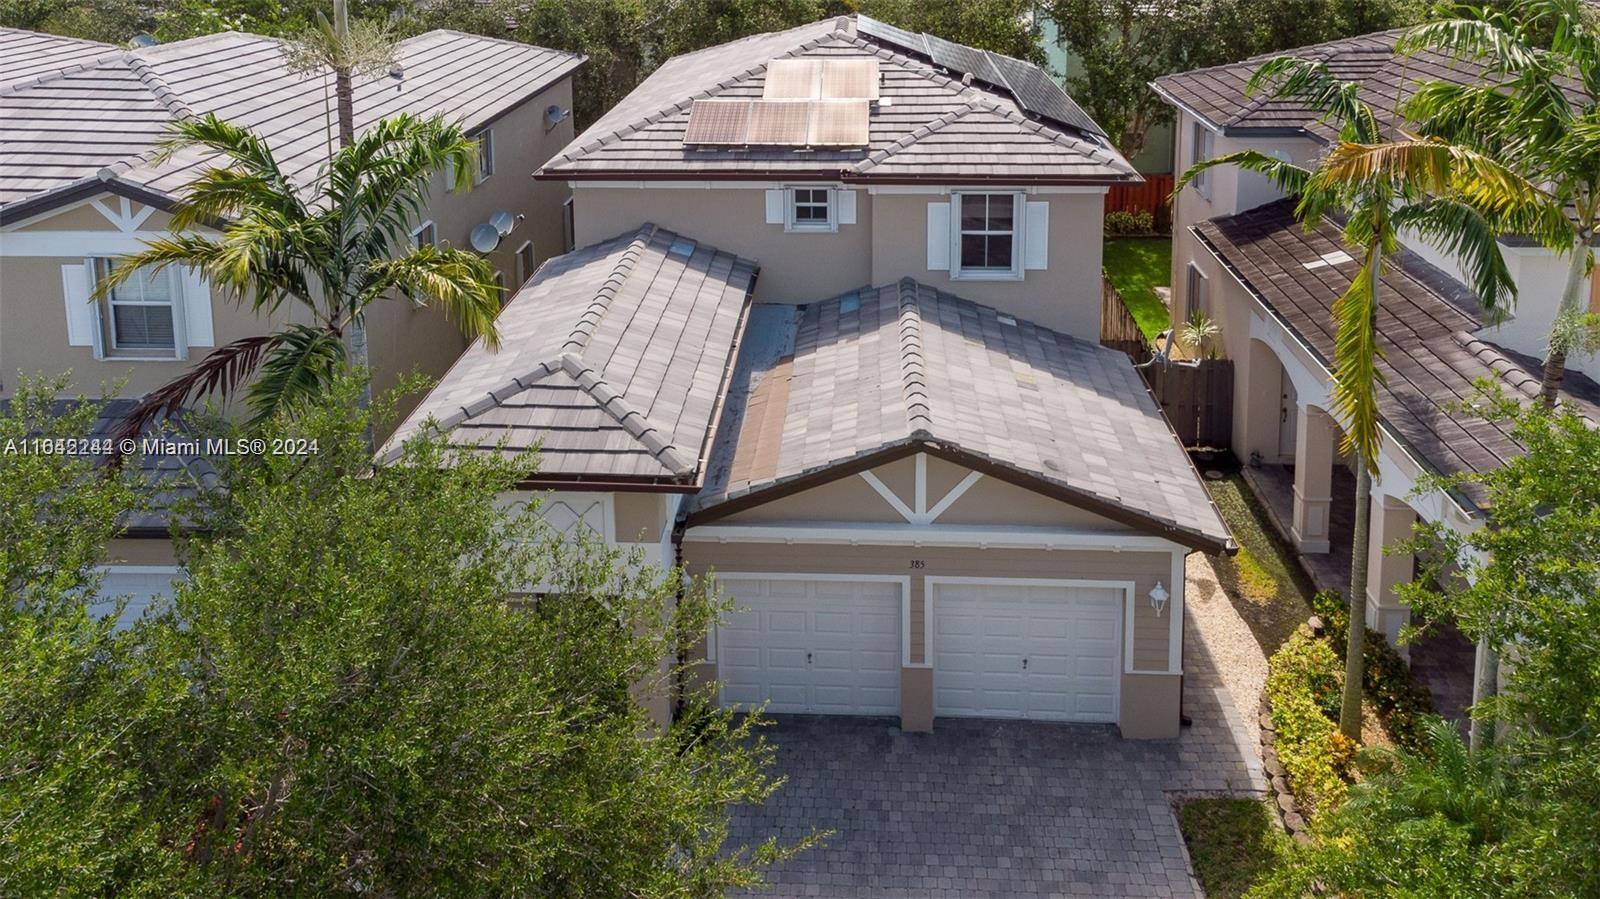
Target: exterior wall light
<point x="1158" y="598"/>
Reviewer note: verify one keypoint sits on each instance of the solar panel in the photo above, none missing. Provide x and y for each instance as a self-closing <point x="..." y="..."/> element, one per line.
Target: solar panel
<point x="1037" y="93"/>
<point x="884" y="31"/>
<point x="779" y="123"/>
<point x="852" y="79"/>
<point x="959" y="58"/>
<point x="718" y="122"/>
<point x="791" y="79"/>
<point x="839" y="123"/>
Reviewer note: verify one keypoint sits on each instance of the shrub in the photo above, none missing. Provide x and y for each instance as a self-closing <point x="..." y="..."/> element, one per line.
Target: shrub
<point x="1303" y="678"/>
<point x="1404" y="705"/>
<point x="1121" y="224"/>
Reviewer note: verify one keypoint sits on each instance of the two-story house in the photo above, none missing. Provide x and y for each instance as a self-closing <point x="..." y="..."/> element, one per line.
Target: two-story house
<point x="1240" y="257"/>
<point x="81" y="185"/>
<point x="832" y="338"/>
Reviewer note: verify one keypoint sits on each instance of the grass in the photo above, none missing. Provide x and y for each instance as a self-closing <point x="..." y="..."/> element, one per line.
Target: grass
<point x="1268" y="587"/>
<point x="1232" y="842"/>
<point x="1138" y="265"/>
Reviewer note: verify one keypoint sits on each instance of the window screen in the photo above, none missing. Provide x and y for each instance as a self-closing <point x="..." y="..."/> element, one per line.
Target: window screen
<point x="988" y="232"/>
<point x="139" y="315"/>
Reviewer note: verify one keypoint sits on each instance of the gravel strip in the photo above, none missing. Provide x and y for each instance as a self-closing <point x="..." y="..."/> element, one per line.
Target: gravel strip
<point x="1236" y="657"/>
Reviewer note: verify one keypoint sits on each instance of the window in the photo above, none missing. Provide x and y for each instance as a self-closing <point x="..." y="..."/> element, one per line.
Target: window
<point x="426" y="235"/>
<point x="1197" y="295"/>
<point x="525" y="259"/>
<point x="569" y="233"/>
<point x="1200" y="151"/>
<point x="500" y="285"/>
<point x="139" y="316"/>
<point x="988" y="233"/>
<point x="485" y="156"/>
<point x="811" y="209"/>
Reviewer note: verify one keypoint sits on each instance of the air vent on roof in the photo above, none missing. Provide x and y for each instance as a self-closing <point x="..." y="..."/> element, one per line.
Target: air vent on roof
<point x="821" y="79"/>
<point x="849" y="304"/>
<point x="778" y="123"/>
<point x="1337" y="257"/>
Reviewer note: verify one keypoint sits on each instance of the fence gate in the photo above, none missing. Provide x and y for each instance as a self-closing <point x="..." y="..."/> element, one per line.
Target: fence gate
<point x="1196" y="398"/>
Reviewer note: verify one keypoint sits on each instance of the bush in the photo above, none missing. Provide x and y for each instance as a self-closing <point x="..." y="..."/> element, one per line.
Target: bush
<point x="1303" y="678"/>
<point x="1404" y="705"/>
<point x="1122" y="224"/>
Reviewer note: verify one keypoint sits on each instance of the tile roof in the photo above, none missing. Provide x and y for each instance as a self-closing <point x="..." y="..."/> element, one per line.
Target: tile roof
<point x="1217" y="94"/>
<point x="28" y="55"/>
<point x="1432" y="343"/>
<point x="613" y="359"/>
<point x="907" y="365"/>
<point x="97" y="119"/>
<point x="927" y="124"/>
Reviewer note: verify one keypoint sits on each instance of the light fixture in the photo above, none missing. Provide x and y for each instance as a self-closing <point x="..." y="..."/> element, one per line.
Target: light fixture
<point x="1158" y="598"/>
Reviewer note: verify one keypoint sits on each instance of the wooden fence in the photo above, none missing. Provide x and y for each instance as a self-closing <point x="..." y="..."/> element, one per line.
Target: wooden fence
<point x="1150" y="196"/>
<point x="1196" y="398"/>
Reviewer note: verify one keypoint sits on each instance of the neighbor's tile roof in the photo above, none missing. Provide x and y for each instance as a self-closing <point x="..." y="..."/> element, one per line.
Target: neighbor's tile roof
<point x="1218" y="93"/>
<point x="28" y="55"/>
<point x="902" y="364"/>
<point x="613" y="359"/>
<point x="99" y="118"/>
<point x="927" y="124"/>
<point x="1426" y="331"/>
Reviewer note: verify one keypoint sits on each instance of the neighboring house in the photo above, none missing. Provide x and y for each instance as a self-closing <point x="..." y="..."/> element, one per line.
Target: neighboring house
<point x="80" y="186"/>
<point x="1240" y="257"/>
<point x="900" y="449"/>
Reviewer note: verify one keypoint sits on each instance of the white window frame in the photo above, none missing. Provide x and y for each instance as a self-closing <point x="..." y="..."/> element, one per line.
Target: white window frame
<point x="416" y="235"/>
<point x="500" y="284"/>
<point x="485" y="167"/>
<point x="105" y="327"/>
<point x="791" y="202"/>
<point x="525" y="265"/>
<point x="1196" y="293"/>
<point x="1018" y="239"/>
<point x="569" y="226"/>
<point x="1200" y="151"/>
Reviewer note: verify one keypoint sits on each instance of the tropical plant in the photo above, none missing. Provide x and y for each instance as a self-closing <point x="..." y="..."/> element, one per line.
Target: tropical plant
<point x="330" y="250"/>
<point x="365" y="48"/>
<point x="1535" y="106"/>
<point x="1452" y="194"/>
<point x="1199" y="334"/>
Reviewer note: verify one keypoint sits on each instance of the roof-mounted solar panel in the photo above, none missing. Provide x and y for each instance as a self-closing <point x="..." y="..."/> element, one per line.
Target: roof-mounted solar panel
<point x="779" y="123"/>
<point x="849" y="79"/>
<point x="839" y="123"/>
<point x="792" y="79"/>
<point x="718" y="122"/>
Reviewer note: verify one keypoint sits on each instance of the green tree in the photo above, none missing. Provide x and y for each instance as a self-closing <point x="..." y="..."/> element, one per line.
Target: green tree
<point x="1537" y="107"/>
<point x="328" y="250"/>
<point x="1448" y="193"/>
<point x="1516" y="817"/>
<point x="1007" y="27"/>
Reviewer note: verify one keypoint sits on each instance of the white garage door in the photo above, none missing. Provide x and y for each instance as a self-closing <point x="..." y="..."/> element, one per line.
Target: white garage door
<point x="1016" y="651"/>
<point x="143" y="585"/>
<point x="812" y="646"/>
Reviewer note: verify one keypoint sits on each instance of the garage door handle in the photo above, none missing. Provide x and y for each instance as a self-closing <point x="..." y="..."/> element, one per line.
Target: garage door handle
<point x="808" y="658"/>
<point x="1024" y="664"/>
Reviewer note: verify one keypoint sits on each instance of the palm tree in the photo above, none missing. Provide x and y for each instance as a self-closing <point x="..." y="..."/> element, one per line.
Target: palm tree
<point x="331" y="250"/>
<point x="1447" y="193"/>
<point x="1537" y="108"/>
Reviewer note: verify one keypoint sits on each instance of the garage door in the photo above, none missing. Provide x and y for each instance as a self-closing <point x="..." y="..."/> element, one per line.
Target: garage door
<point x="143" y="586"/>
<point x="1017" y="651"/>
<point x="803" y="646"/>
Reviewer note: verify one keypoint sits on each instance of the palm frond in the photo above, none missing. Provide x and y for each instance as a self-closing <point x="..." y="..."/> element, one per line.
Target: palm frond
<point x="243" y="148"/>
<point x="301" y="365"/>
<point x="1314" y="84"/>
<point x="1462" y="231"/>
<point x="1284" y="175"/>
<point x="1356" y="376"/>
<point x="222" y="371"/>
<point x="1478" y="40"/>
<point x="459" y="283"/>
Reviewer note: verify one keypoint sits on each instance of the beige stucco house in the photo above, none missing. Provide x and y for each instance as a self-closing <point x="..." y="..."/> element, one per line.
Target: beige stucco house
<point x="80" y="186"/>
<point x="831" y="339"/>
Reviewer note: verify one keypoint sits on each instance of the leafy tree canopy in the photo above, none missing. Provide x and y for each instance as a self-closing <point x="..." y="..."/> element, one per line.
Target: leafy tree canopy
<point x="340" y="700"/>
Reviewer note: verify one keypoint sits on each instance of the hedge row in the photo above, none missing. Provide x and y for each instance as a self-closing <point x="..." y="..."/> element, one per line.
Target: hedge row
<point x="1404" y="705"/>
<point x="1304" y="679"/>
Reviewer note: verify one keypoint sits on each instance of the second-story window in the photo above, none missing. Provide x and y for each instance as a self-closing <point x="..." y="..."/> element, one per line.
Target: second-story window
<point x="426" y="235"/>
<point x="139" y="316"/>
<point x="811" y="209"/>
<point x="988" y="238"/>
<point x="1200" y="151"/>
<point x="485" y="156"/>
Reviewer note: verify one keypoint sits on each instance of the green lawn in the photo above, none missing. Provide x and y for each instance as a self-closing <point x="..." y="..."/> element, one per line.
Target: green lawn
<point x="1232" y="842"/>
<point x="1269" y="590"/>
<point x="1137" y="265"/>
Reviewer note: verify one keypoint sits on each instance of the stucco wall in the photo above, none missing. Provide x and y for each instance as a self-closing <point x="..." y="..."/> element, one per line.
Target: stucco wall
<point x="796" y="267"/>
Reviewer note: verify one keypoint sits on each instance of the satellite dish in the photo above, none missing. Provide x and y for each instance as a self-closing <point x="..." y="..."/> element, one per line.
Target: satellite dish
<point x="484" y="238"/>
<point x="503" y="222"/>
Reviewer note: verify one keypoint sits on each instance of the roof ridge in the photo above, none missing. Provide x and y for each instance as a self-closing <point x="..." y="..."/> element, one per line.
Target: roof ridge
<point x="578" y="339"/>
<point x="456" y="32"/>
<point x="920" y="132"/>
<point x="45" y="77"/>
<point x="611" y="401"/>
<point x="150" y="78"/>
<point x="913" y="366"/>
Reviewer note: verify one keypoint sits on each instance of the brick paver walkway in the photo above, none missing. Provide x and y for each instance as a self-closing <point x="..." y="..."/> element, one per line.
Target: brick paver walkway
<point x="999" y="809"/>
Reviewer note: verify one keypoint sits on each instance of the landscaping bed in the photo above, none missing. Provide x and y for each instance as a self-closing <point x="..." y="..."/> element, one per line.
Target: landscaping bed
<point x="1232" y="842"/>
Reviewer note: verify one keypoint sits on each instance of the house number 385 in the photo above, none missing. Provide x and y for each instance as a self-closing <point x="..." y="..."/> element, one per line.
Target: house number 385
<point x="918" y="563"/>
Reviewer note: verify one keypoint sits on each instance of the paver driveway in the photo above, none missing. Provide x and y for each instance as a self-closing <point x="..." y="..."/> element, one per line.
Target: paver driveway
<point x="1001" y="809"/>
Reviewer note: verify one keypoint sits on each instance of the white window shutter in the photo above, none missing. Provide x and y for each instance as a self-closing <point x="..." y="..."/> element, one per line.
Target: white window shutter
<point x="847" y="206"/>
<point x="1036" y="236"/>
<point x="196" y="309"/>
<point x="775" y="201"/>
<point x="81" y="321"/>
<point x="939" y="236"/>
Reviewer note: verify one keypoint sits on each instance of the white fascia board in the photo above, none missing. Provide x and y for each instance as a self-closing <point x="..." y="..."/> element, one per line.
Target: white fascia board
<point x="858" y="534"/>
<point x="697" y="185"/>
<point x="945" y="190"/>
<point x="1188" y="111"/>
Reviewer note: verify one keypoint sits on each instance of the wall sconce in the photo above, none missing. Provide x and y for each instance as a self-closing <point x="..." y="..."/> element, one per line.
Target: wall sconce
<point x="1158" y="598"/>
